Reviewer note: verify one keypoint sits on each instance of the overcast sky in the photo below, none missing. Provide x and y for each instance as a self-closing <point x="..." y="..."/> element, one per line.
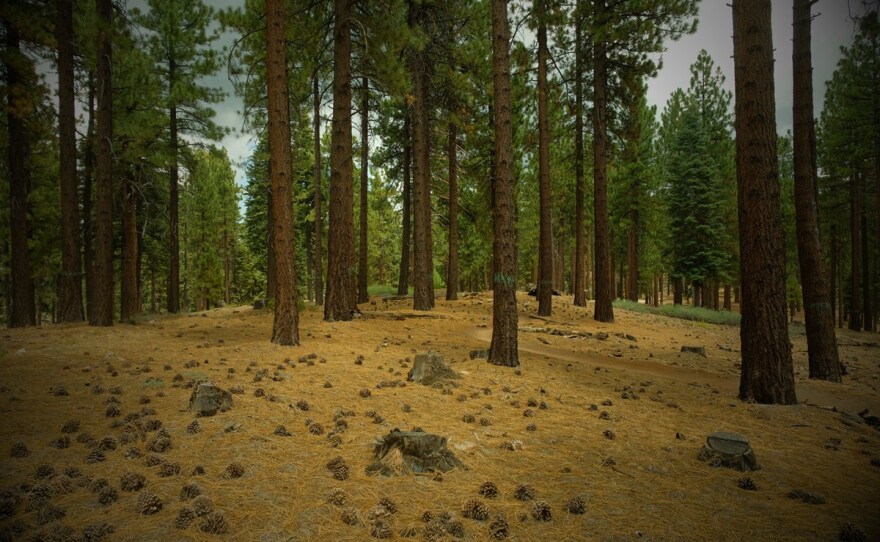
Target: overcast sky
<point x="832" y="29"/>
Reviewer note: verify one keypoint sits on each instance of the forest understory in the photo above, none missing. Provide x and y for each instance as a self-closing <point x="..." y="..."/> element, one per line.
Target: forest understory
<point x="615" y="414"/>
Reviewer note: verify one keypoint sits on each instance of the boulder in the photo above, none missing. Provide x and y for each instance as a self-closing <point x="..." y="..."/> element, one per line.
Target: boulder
<point x="207" y="399"/>
<point x="730" y="450"/>
<point x="429" y="368"/>
<point x="403" y="452"/>
<point x="698" y="350"/>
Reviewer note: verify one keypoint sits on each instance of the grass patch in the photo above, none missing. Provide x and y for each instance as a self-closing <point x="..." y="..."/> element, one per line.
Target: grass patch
<point x="695" y="314"/>
<point x="385" y="289"/>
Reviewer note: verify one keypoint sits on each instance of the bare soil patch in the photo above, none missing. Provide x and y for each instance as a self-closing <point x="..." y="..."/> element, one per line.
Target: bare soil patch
<point x="604" y="419"/>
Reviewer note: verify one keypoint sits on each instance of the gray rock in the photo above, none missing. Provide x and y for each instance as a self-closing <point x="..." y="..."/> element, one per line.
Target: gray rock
<point x="207" y="399"/>
<point x="809" y="497"/>
<point x="429" y="369"/>
<point x="730" y="450"/>
<point x="699" y="350"/>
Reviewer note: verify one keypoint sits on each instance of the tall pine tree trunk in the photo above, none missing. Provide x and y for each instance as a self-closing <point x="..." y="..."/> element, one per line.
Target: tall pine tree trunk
<point x="855" y="230"/>
<point x="423" y="266"/>
<point x="70" y="306"/>
<point x="767" y="371"/>
<point x="285" y="326"/>
<point x="128" y="269"/>
<point x="452" y="268"/>
<point x="834" y="281"/>
<point x="23" y="311"/>
<point x="503" y="349"/>
<point x="341" y="299"/>
<point x="545" y="237"/>
<point x="818" y="315"/>
<point x="868" y="313"/>
<point x="580" y="286"/>
<point x="363" y="297"/>
<point x="102" y="309"/>
<point x="173" y="304"/>
<point x="632" y="250"/>
<point x="88" y="180"/>
<point x="603" y="312"/>
<point x="406" y="234"/>
<point x="317" y="195"/>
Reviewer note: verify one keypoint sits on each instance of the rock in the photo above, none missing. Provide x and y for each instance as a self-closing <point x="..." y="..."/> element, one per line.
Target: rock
<point x="479" y="354"/>
<point x="730" y="450"/>
<point x="429" y="369"/>
<point x="259" y="304"/>
<point x="403" y="452"/>
<point x="809" y="497"/>
<point x="207" y="399"/>
<point x="699" y="350"/>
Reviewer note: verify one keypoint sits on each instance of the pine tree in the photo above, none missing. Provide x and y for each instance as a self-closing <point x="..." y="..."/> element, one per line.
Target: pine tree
<point x="285" y="327"/>
<point x="181" y="47"/>
<point x="767" y="372"/>
<point x="22" y="310"/>
<point x="102" y="269"/>
<point x="503" y="349"/>
<point x="821" y="342"/>
<point x="341" y="296"/>
<point x="70" y="302"/>
<point x="545" y="244"/>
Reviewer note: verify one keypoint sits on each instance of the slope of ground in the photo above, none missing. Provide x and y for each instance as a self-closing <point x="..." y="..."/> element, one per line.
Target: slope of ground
<point x="613" y="413"/>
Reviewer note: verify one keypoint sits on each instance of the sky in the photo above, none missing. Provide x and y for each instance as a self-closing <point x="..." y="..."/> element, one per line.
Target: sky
<point x="832" y="28"/>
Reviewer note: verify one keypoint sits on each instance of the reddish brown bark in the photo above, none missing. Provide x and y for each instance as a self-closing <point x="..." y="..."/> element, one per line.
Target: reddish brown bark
<point x="317" y="195"/>
<point x="824" y="362"/>
<point x="767" y="371"/>
<point x="604" y="280"/>
<point x="545" y="236"/>
<point x="406" y="234"/>
<point x="503" y="349"/>
<point x="285" y="326"/>
<point x="452" y="266"/>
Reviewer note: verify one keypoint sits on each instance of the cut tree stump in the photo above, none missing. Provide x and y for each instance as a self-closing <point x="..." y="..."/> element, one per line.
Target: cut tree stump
<point x="429" y="368"/>
<point x="404" y="452"/>
<point x="698" y="350"/>
<point x="207" y="399"/>
<point x="730" y="450"/>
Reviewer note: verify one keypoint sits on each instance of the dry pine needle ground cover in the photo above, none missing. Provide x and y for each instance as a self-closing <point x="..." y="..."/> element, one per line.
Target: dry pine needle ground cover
<point x="599" y="431"/>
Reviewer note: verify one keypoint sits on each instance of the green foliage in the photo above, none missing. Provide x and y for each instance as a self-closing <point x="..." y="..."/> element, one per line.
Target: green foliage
<point x="682" y="312"/>
<point x="209" y="217"/>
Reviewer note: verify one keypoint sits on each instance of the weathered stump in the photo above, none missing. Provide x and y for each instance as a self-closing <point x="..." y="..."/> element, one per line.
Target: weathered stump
<point x="207" y="399"/>
<point x="698" y="350"/>
<point x="430" y="368"/>
<point x="403" y="452"/>
<point x="730" y="450"/>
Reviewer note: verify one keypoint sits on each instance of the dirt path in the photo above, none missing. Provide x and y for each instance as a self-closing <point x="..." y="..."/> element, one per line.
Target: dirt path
<point x="840" y="396"/>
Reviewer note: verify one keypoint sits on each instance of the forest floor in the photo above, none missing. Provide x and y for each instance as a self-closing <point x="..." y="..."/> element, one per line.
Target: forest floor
<point x="632" y="457"/>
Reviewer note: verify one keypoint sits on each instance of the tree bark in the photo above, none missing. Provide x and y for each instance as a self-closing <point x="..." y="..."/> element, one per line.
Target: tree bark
<point x="318" y="196"/>
<point x="406" y="235"/>
<point x="604" y="281"/>
<point x="70" y="307"/>
<point x="545" y="237"/>
<point x="868" y="313"/>
<point x="285" y="326"/>
<point x="88" y="179"/>
<point x="423" y="267"/>
<point x="503" y="349"/>
<point x="767" y="371"/>
<point x="102" y="309"/>
<point x="834" y="281"/>
<point x="22" y="312"/>
<point x="363" y="296"/>
<point x="580" y="287"/>
<point x="632" y="249"/>
<point x="824" y="362"/>
<point x="128" y="294"/>
<point x="855" y="298"/>
<point x="341" y="298"/>
<point x="452" y="267"/>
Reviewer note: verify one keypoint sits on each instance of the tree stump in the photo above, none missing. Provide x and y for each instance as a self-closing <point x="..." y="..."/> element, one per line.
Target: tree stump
<point x="730" y="450"/>
<point x="430" y="368"/>
<point x="698" y="350"/>
<point x="207" y="399"/>
<point x="403" y="452"/>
